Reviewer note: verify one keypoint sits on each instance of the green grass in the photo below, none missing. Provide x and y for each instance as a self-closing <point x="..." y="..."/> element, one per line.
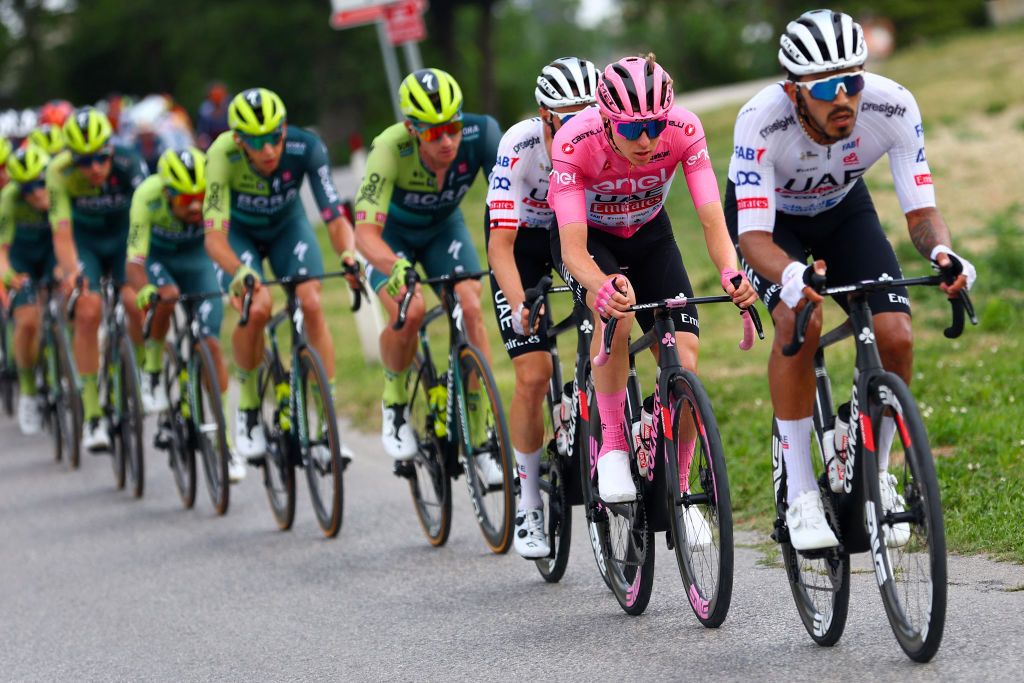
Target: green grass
<point x="969" y="390"/>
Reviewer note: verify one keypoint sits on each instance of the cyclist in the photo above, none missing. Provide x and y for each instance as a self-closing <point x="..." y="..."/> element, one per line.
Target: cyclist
<point x="49" y="138"/>
<point x="91" y="185"/>
<point x="26" y="257"/>
<point x="407" y="210"/>
<point x="795" y="189"/>
<point x="519" y="252"/>
<point x="166" y="256"/>
<point x="612" y="168"/>
<point x="253" y="176"/>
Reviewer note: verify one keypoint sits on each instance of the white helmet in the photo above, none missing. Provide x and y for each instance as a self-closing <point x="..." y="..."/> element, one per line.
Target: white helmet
<point x="820" y="41"/>
<point x="566" y="82"/>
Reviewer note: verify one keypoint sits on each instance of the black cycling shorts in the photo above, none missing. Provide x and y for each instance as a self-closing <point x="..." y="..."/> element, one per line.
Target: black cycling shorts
<point x="533" y="261"/>
<point x="848" y="237"/>
<point x="650" y="259"/>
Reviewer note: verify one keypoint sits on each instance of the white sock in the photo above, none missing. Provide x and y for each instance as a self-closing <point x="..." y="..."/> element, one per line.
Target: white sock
<point x="796" y="452"/>
<point x="528" y="465"/>
<point x="886" y="432"/>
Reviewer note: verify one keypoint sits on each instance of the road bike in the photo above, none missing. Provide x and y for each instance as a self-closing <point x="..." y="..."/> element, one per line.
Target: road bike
<point x="459" y="422"/>
<point x="906" y="543"/>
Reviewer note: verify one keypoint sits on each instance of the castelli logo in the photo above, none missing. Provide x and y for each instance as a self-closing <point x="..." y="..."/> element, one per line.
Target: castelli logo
<point x="689" y="129"/>
<point x="567" y="148"/>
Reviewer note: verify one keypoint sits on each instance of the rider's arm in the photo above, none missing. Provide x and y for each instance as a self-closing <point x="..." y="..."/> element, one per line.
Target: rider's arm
<point x="6" y="225"/>
<point x="60" y="215"/>
<point x="372" y="206"/>
<point x="140" y="221"/>
<point x="504" y="216"/>
<point x="217" y="205"/>
<point x="327" y="200"/>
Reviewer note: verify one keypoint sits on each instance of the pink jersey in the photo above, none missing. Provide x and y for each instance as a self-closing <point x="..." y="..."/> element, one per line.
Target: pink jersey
<point x="591" y="183"/>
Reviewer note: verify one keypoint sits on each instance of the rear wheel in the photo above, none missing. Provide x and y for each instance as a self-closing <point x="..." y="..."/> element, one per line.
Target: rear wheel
<point x="429" y="481"/>
<point x="908" y="541"/>
<point x="320" y="443"/>
<point x="128" y="401"/>
<point x="700" y="512"/>
<point x="486" y="450"/>
<point x="278" y="468"/>
<point x="820" y="579"/>
<point x="210" y="428"/>
<point x="173" y="430"/>
<point x="65" y="401"/>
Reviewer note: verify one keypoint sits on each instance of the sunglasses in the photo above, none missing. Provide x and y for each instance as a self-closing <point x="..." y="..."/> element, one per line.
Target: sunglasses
<point x="432" y="133"/>
<point x="260" y="141"/>
<point x="631" y="130"/>
<point x="31" y="186"/>
<point x="87" y="160"/>
<point x="181" y="199"/>
<point x="826" y="89"/>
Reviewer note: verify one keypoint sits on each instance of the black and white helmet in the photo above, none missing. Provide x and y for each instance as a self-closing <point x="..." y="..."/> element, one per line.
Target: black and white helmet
<point x="820" y="41"/>
<point x="566" y="82"/>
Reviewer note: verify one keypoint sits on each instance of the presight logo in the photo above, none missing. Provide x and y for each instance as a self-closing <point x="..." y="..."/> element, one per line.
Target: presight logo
<point x="778" y="124"/>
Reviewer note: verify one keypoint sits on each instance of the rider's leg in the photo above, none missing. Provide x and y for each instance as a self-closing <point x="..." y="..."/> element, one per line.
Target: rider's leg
<point x="398" y="347"/>
<point x="247" y="345"/>
<point x="526" y="421"/>
<point x="161" y="325"/>
<point x="27" y="322"/>
<point x="86" y="347"/>
<point x="133" y="318"/>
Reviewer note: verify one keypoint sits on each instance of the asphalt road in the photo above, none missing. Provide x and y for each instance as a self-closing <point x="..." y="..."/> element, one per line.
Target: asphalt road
<point x="97" y="586"/>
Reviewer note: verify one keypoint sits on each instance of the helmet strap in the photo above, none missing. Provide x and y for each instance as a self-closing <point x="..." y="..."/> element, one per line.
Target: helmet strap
<point x="808" y="122"/>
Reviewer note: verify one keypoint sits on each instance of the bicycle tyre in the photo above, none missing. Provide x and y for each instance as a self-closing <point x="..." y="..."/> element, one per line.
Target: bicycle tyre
<point x="430" y="483"/>
<point x="210" y="427"/>
<point x="173" y="424"/>
<point x="130" y="416"/>
<point x="896" y="565"/>
<point x="824" y="618"/>
<point x="707" y="576"/>
<point x="324" y="476"/>
<point x="8" y="370"/>
<point x="278" y="466"/>
<point x="623" y="544"/>
<point x="557" y="516"/>
<point x="495" y="514"/>
<point x="68" y="401"/>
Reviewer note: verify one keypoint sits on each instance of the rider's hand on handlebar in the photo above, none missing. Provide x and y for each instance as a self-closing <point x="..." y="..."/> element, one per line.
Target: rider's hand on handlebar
<point x="613" y="298"/>
<point x="796" y="280"/>
<point x="13" y="280"/>
<point x="237" y="286"/>
<point x="395" y="285"/>
<point x="941" y="257"/>
<point x="744" y="295"/>
<point x="521" y="320"/>
<point x="350" y="263"/>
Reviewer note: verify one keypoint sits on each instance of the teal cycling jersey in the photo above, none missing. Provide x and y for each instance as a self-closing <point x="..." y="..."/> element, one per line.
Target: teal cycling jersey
<point x="75" y="201"/>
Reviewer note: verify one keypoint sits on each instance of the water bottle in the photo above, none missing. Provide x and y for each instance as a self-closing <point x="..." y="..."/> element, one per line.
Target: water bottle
<point x="642" y="429"/>
<point x="835" y="443"/>
<point x="561" y="418"/>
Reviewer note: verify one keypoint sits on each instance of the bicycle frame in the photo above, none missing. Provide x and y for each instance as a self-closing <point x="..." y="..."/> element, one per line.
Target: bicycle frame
<point x="296" y="399"/>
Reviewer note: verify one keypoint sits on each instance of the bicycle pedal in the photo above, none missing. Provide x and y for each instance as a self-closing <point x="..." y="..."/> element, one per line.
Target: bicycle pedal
<point x="404" y="469"/>
<point x="256" y="460"/>
<point x="161" y="440"/>
<point x="345" y="462"/>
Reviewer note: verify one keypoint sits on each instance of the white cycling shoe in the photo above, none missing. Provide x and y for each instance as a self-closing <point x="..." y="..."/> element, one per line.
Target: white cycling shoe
<point x="30" y="418"/>
<point x="236" y="467"/>
<point x="898" y="534"/>
<point x="154" y="393"/>
<point x="808" y="529"/>
<point x="95" y="438"/>
<point x="614" y="480"/>
<point x="250" y="439"/>
<point x="698" y="532"/>
<point x="489" y="470"/>
<point x="530" y="541"/>
<point x="396" y="433"/>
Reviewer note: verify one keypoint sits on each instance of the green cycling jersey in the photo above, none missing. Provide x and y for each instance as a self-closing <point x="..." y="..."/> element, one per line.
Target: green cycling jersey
<point x="17" y="217"/>
<point x="153" y="223"/>
<point x="396" y="183"/>
<point x="73" y="199"/>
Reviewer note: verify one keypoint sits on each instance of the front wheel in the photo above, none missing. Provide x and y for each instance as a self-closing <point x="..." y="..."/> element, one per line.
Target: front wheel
<point x="66" y="401"/>
<point x="319" y="443"/>
<point x="278" y="467"/>
<point x="820" y="579"/>
<point x="486" y="450"/>
<point x="128" y="413"/>
<point x="429" y="482"/>
<point x="908" y="540"/>
<point x="697" y="494"/>
<point x="173" y="431"/>
<point x="557" y="517"/>
<point x="210" y="429"/>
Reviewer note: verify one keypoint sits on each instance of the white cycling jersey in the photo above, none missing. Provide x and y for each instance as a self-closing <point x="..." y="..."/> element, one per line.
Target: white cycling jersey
<point x="518" y="194"/>
<point x="776" y="167"/>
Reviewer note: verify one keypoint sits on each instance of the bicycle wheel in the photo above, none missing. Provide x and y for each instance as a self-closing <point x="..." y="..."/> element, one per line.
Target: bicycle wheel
<point x="622" y="541"/>
<point x="210" y="428"/>
<point x="908" y="542"/>
<point x="484" y="436"/>
<point x="700" y="511"/>
<point x="429" y="482"/>
<point x="8" y="371"/>
<point x="278" y="467"/>
<point x="819" y="579"/>
<point x="128" y="401"/>
<point x="319" y="442"/>
<point x="67" y="401"/>
<point x="558" y="515"/>
<point x="173" y="429"/>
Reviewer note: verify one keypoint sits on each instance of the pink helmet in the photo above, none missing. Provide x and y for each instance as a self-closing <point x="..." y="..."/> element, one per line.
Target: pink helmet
<point x="635" y="89"/>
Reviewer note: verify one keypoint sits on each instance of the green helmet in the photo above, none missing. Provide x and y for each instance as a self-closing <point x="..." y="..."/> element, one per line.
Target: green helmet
<point x="430" y="96"/>
<point x="27" y="164"/>
<point x="183" y="172"/>
<point x="256" y="111"/>
<point x="5" y="149"/>
<point x="87" y="130"/>
<point x="49" y="138"/>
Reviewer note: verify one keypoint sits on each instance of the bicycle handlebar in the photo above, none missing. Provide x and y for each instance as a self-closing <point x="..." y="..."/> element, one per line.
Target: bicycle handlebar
<point x="534" y="298"/>
<point x="750" y="318"/>
<point x="249" y="283"/>
<point x="75" y="293"/>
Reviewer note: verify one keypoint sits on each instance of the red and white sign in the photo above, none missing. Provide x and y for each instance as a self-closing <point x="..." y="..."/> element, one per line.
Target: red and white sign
<point x="404" y="17"/>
